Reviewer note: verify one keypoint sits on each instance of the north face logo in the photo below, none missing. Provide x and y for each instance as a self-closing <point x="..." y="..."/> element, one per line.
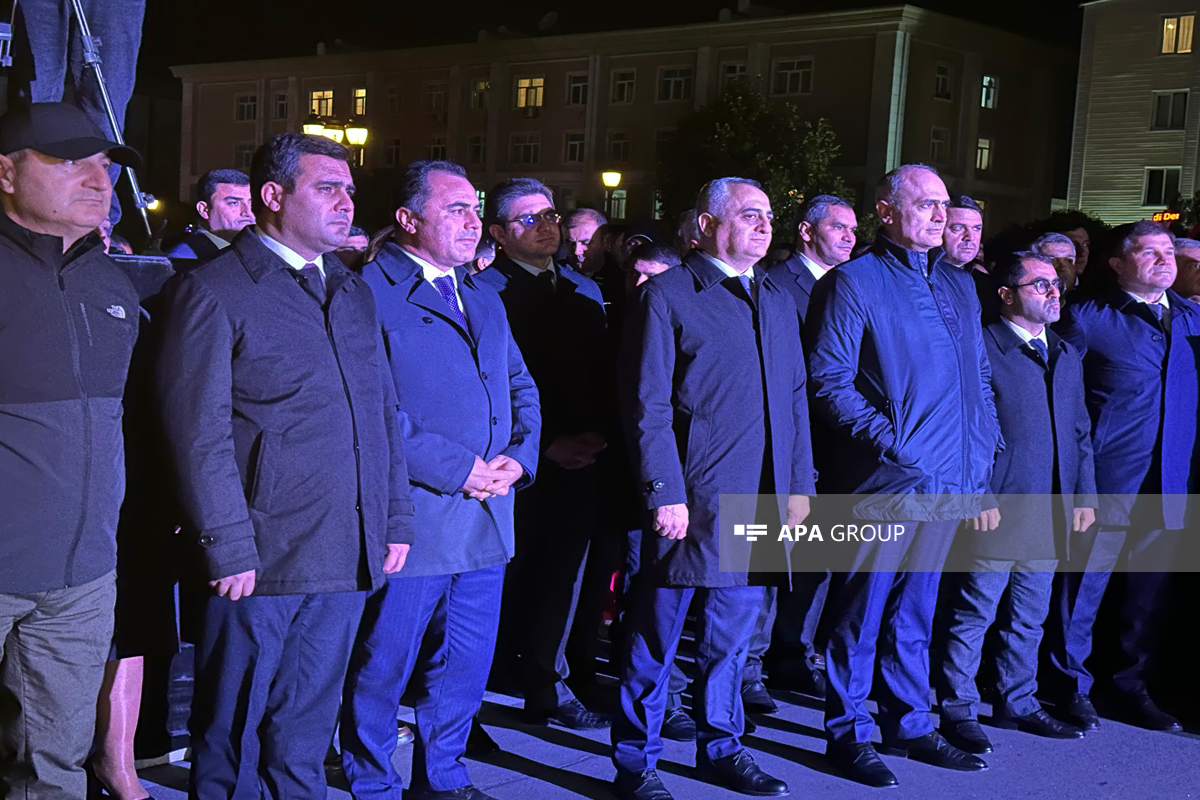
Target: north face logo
<point x="116" y="311"/>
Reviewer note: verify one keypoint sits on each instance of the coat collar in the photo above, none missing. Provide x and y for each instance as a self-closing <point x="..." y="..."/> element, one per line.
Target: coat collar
<point x="259" y="261"/>
<point x="800" y="272"/>
<point x="1119" y="299"/>
<point x="708" y="275"/>
<point x="402" y="270"/>
<point x="1007" y="340"/>
<point x="886" y="247"/>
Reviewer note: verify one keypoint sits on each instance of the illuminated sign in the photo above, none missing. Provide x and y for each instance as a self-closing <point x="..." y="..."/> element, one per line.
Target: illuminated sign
<point x="1166" y="216"/>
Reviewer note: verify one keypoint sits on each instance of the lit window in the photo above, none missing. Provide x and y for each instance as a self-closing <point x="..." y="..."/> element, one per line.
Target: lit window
<point x="658" y="205"/>
<point x="731" y="73"/>
<point x="794" y="76"/>
<point x="435" y="148"/>
<point x="616" y="204"/>
<point x="983" y="154"/>
<point x="391" y="154"/>
<point x="939" y="145"/>
<point x="943" y="82"/>
<point x="321" y="103"/>
<point x="243" y="155"/>
<point x="530" y="92"/>
<point x="360" y="102"/>
<point x="1177" y="34"/>
<point x="1169" y="111"/>
<point x="575" y="148"/>
<point x="675" y="84"/>
<point x="622" y="85"/>
<point x="246" y="108"/>
<point x="477" y="149"/>
<point x="990" y="86"/>
<point x="281" y="106"/>
<point x="481" y="196"/>
<point x="479" y="92"/>
<point x="577" y="90"/>
<point x="1162" y="186"/>
<point x="526" y="148"/>
<point x="620" y="143"/>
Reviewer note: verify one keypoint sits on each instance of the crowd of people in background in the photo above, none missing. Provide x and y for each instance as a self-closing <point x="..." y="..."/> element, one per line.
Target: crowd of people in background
<point x="487" y="448"/>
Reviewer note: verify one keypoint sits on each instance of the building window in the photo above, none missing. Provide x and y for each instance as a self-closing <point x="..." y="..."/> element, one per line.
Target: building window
<point x="730" y="72"/>
<point x="577" y="90"/>
<point x="391" y="153"/>
<point x="1177" y="34"/>
<point x="477" y="149"/>
<point x="435" y="148"/>
<point x="1170" y="111"/>
<point x="567" y="200"/>
<point x="243" y="154"/>
<point x="658" y="205"/>
<point x="481" y="196"/>
<point x="793" y="76"/>
<point x="395" y="100"/>
<point x="526" y="148"/>
<point x="662" y="144"/>
<point x="435" y="96"/>
<point x="623" y="81"/>
<point x="1162" y="186"/>
<point x="943" y="85"/>
<point x="479" y="93"/>
<point x="939" y="145"/>
<point x="320" y="102"/>
<point x="983" y="154"/>
<point x="360" y="102"/>
<point x="246" y="108"/>
<point x="991" y="85"/>
<point x="575" y="146"/>
<point x="620" y="144"/>
<point x="281" y="106"/>
<point x="616" y="204"/>
<point x="530" y="92"/>
<point x="675" y="83"/>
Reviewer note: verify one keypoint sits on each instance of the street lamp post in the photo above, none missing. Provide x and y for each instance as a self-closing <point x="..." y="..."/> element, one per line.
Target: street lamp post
<point x="356" y="137"/>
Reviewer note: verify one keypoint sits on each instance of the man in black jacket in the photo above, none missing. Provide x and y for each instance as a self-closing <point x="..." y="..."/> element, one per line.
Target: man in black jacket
<point x="69" y="323"/>
<point x="1042" y="494"/>
<point x="224" y="208"/>
<point x="282" y="420"/>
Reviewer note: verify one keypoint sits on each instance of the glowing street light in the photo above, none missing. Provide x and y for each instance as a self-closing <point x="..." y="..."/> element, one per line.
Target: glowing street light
<point x="611" y="179"/>
<point x="356" y="132"/>
<point x="314" y="126"/>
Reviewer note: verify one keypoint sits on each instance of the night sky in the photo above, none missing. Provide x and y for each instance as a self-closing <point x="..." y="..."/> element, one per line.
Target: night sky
<point x="182" y="32"/>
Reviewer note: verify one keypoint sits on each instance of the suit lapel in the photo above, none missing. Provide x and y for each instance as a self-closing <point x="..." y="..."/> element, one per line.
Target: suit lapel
<point x="476" y="309"/>
<point x="404" y="271"/>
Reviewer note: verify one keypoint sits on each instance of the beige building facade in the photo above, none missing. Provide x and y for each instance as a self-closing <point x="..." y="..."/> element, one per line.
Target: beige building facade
<point x="899" y="84"/>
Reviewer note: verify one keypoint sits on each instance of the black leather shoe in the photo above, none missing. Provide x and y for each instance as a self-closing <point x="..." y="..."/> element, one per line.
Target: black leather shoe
<point x="1081" y="713"/>
<point x="1140" y="710"/>
<point x="809" y="681"/>
<point x="755" y="699"/>
<point x="678" y="726"/>
<point x="463" y="793"/>
<point x="966" y="735"/>
<point x="479" y="743"/>
<point x="932" y="749"/>
<point x="404" y="734"/>
<point x="739" y="773"/>
<point x="860" y="763"/>
<point x="640" y="786"/>
<point x="571" y="715"/>
<point x="749" y="725"/>
<point x="1039" y="723"/>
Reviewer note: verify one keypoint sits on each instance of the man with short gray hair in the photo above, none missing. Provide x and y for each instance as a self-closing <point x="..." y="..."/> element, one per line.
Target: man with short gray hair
<point x="578" y="227"/>
<point x="712" y="384"/>
<point x="1059" y="248"/>
<point x="1187" y="263"/>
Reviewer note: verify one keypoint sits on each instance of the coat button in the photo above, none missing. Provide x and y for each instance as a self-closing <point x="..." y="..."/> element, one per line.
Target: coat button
<point x="1156" y="338"/>
<point x="483" y="375"/>
<point x="495" y="421"/>
<point x="657" y="485"/>
<point x="427" y="320"/>
<point x="206" y="540"/>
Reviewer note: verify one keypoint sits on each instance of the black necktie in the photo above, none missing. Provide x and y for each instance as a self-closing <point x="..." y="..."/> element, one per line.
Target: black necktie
<point x="313" y="283"/>
<point x="546" y="280"/>
<point x="1039" y="347"/>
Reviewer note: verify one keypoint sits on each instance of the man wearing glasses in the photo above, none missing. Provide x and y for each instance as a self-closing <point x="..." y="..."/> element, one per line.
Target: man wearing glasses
<point x="557" y="320"/>
<point x="1041" y="495"/>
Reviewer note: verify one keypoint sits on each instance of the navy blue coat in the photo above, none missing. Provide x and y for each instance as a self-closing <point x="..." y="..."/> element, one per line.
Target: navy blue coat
<point x="794" y="276"/>
<point x="1036" y="408"/>
<point x="1136" y="391"/>
<point x="281" y="420"/>
<point x="692" y="399"/>
<point x="462" y="393"/>
<point x="899" y="371"/>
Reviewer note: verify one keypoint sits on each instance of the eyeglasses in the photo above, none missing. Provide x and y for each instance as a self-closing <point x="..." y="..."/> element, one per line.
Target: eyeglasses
<point x="1042" y="286"/>
<point x="529" y="220"/>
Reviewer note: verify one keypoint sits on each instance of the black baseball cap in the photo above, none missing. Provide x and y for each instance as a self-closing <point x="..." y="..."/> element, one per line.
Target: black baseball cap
<point x="60" y="130"/>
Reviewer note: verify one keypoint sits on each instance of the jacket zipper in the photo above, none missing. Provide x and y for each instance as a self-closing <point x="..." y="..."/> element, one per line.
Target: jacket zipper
<point x="87" y="430"/>
<point x="961" y="382"/>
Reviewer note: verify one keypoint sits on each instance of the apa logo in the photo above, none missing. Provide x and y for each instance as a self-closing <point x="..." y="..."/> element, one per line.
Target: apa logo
<point x="116" y="311"/>
<point x="752" y="533"/>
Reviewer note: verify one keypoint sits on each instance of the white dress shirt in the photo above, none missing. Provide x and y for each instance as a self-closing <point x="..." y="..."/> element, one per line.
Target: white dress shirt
<point x="430" y="273"/>
<point x="535" y="272"/>
<point x="1025" y="335"/>
<point x="216" y="240"/>
<point x="290" y="256"/>
<point x="816" y="269"/>
<point x="1162" y="301"/>
<point x="728" y="270"/>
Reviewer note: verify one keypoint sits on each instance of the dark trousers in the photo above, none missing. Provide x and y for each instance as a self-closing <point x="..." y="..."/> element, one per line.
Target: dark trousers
<point x="1078" y="593"/>
<point x="269" y="673"/>
<point x="879" y="605"/>
<point x="971" y="610"/>
<point x="785" y="634"/>
<point x="555" y="520"/>
<point x="725" y="621"/>
<point x="677" y="683"/>
<point x="456" y="616"/>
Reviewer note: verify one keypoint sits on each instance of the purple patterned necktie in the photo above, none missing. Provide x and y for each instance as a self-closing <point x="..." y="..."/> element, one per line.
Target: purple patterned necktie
<point x="445" y="285"/>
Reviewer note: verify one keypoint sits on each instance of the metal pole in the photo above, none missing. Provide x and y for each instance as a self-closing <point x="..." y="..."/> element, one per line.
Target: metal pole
<point x="91" y="58"/>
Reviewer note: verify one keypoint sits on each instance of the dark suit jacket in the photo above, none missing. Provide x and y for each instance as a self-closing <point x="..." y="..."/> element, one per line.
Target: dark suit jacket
<point x="462" y="393"/>
<point x="794" y="276"/>
<point x="195" y="246"/>
<point x="692" y="396"/>
<point x="281" y="420"/>
<point x="1142" y="397"/>
<point x="1036" y="406"/>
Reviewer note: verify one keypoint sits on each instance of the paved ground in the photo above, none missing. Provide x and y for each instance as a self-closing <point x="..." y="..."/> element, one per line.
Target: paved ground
<point x="1117" y="762"/>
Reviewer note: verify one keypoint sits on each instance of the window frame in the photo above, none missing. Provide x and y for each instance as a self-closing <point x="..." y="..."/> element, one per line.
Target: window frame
<point x="989" y="149"/>
<point x="1172" y="94"/>
<point x="433" y="144"/>
<point x="572" y="85"/>
<point x="284" y="100"/>
<point x="395" y="100"/>
<point x="1146" y="184"/>
<point x="993" y="95"/>
<point x="627" y="141"/>
<point x="521" y="99"/>
<point x="725" y="80"/>
<point x="689" y="83"/>
<point x="1178" y="19"/>
<point x="240" y="149"/>
<point x="245" y="107"/>
<point x="429" y="90"/>
<point x="535" y="141"/>
<point x="949" y="153"/>
<point x="479" y="141"/>
<point x="315" y="104"/>
<point x="581" y="144"/>
<point x="612" y="85"/>
<point x="391" y="153"/>
<point x="937" y="78"/>
<point x="800" y="91"/>
<point x="358" y="102"/>
<point x="481" y="90"/>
